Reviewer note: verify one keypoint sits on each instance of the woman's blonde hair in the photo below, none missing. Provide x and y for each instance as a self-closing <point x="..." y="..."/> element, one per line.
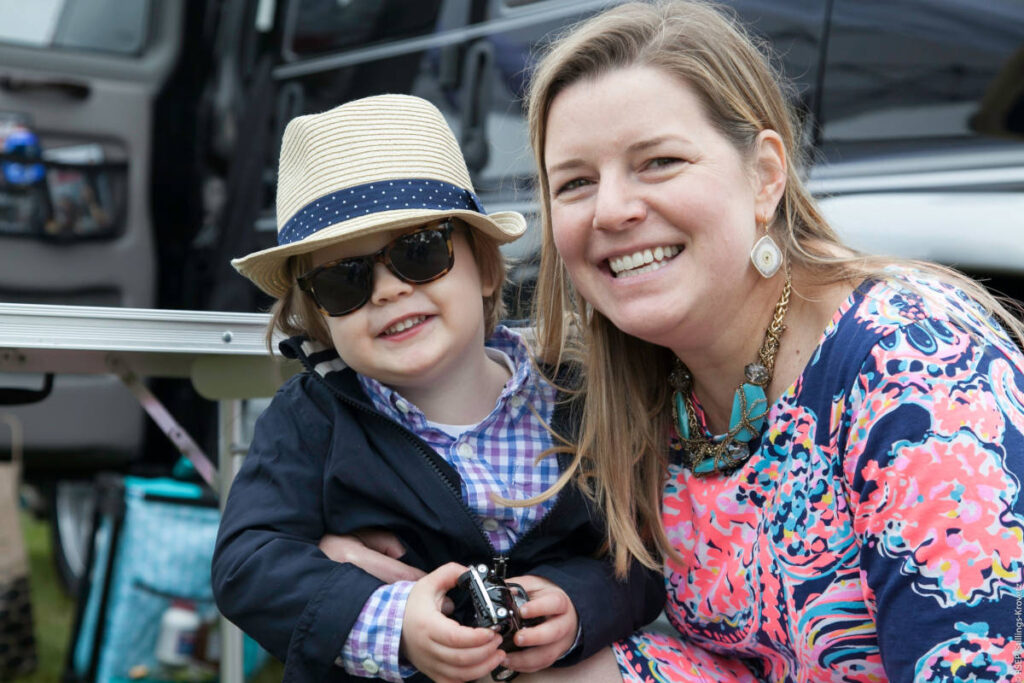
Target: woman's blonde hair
<point x="620" y="459"/>
<point x="295" y="313"/>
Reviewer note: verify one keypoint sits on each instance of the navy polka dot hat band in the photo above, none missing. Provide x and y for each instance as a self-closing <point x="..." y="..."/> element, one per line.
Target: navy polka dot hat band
<point x="371" y="165"/>
<point x="362" y="200"/>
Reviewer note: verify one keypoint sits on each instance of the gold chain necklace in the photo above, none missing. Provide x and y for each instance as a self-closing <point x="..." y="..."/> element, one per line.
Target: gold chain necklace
<point x="728" y="451"/>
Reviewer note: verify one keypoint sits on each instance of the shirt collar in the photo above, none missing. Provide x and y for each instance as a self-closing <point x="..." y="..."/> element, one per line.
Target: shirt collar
<point x="394" y="405"/>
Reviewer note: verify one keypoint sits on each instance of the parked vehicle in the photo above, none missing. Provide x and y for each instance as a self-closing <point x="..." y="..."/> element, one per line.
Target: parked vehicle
<point x="144" y="139"/>
<point x="94" y="226"/>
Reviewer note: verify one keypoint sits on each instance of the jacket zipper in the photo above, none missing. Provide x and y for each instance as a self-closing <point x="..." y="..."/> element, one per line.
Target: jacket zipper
<point x="536" y="525"/>
<point x="499" y="560"/>
<point x="427" y="454"/>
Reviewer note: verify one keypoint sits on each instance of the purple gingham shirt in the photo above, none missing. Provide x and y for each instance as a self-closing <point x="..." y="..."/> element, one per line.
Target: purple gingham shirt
<point x="497" y="455"/>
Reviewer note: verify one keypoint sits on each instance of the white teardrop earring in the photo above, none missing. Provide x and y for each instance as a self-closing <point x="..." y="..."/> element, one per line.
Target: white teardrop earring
<point x="766" y="255"/>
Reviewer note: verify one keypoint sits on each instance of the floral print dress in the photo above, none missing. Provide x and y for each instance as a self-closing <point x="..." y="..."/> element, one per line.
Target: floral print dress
<point x="877" y="533"/>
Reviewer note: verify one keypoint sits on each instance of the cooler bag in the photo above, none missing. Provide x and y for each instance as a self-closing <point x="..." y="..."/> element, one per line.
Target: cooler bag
<point x="145" y="607"/>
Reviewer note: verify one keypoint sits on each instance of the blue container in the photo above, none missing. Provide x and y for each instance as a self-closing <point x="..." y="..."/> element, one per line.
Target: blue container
<point x="25" y="144"/>
<point x="152" y="546"/>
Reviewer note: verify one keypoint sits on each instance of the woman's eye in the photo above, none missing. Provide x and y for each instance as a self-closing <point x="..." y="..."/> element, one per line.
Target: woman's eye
<point x="661" y="162"/>
<point x="571" y="185"/>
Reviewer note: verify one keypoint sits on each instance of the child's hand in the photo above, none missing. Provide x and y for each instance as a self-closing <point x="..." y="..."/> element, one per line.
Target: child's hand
<point x="442" y="649"/>
<point x="375" y="551"/>
<point x="546" y="642"/>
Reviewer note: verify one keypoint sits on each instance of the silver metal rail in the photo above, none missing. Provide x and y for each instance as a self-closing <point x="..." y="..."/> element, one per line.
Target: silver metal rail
<point x="224" y="354"/>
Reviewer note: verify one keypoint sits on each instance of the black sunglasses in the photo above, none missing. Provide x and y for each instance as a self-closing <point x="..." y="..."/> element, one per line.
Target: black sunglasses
<point x="343" y="286"/>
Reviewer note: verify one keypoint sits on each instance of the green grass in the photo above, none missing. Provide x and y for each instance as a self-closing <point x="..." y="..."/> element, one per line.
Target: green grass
<point x="53" y="610"/>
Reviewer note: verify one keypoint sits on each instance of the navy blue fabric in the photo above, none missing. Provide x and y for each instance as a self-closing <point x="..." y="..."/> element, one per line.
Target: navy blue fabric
<point x="384" y="195"/>
<point x="323" y="460"/>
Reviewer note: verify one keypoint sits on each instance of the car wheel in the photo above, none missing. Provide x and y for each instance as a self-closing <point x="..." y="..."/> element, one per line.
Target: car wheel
<point x="72" y="505"/>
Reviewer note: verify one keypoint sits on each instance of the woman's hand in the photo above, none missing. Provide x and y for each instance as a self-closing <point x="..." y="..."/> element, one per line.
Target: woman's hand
<point x="439" y="647"/>
<point x="375" y="551"/>
<point x="546" y="642"/>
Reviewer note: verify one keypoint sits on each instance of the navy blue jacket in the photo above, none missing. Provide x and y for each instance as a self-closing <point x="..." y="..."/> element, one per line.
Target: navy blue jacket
<point x="323" y="460"/>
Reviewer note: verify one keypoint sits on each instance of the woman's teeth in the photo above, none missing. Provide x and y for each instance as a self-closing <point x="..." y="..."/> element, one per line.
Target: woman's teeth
<point x="404" y="324"/>
<point x="642" y="261"/>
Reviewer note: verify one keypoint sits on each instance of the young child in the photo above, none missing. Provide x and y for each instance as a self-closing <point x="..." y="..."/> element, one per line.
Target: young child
<point x="414" y="411"/>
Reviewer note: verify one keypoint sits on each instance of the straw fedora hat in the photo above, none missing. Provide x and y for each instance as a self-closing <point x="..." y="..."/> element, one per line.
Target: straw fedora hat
<point x="367" y="166"/>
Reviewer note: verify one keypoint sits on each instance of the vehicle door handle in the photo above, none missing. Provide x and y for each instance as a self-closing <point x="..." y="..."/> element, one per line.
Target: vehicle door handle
<point x="14" y="396"/>
<point x="23" y="86"/>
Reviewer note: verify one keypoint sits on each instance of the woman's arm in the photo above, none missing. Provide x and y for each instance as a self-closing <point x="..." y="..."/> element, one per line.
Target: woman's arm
<point x="934" y="463"/>
<point x="608" y="609"/>
<point x="612" y="609"/>
<point x="376" y="551"/>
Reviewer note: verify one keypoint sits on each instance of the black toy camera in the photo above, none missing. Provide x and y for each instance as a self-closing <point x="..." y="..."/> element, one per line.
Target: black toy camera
<point x="495" y="605"/>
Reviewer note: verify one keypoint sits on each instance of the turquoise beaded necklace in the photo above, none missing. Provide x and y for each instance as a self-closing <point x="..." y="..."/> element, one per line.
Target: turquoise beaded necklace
<point x="725" y="452"/>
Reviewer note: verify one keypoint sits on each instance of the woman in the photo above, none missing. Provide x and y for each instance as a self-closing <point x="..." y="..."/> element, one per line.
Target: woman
<point x="841" y="495"/>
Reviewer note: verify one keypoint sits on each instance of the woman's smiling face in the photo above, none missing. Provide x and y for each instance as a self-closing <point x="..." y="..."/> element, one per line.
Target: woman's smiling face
<point x="653" y="210"/>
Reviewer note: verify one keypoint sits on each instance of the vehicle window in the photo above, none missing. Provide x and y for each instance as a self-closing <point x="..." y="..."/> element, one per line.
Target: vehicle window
<point x="478" y="78"/>
<point x="315" y="27"/>
<point x="794" y="29"/>
<point x="520" y="3"/>
<point x="111" y="26"/>
<point x="919" y="69"/>
<point x="477" y="83"/>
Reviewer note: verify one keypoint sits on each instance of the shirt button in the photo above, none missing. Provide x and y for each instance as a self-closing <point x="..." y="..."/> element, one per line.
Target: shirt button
<point x="370" y="666"/>
<point x="402" y="405"/>
<point x="516" y="401"/>
<point x="491" y="524"/>
<point x="465" y="450"/>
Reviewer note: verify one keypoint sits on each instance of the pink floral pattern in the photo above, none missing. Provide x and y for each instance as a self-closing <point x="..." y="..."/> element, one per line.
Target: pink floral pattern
<point x="877" y="533"/>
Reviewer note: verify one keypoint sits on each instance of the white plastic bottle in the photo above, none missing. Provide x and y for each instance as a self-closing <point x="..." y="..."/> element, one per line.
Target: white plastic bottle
<point x="179" y="629"/>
